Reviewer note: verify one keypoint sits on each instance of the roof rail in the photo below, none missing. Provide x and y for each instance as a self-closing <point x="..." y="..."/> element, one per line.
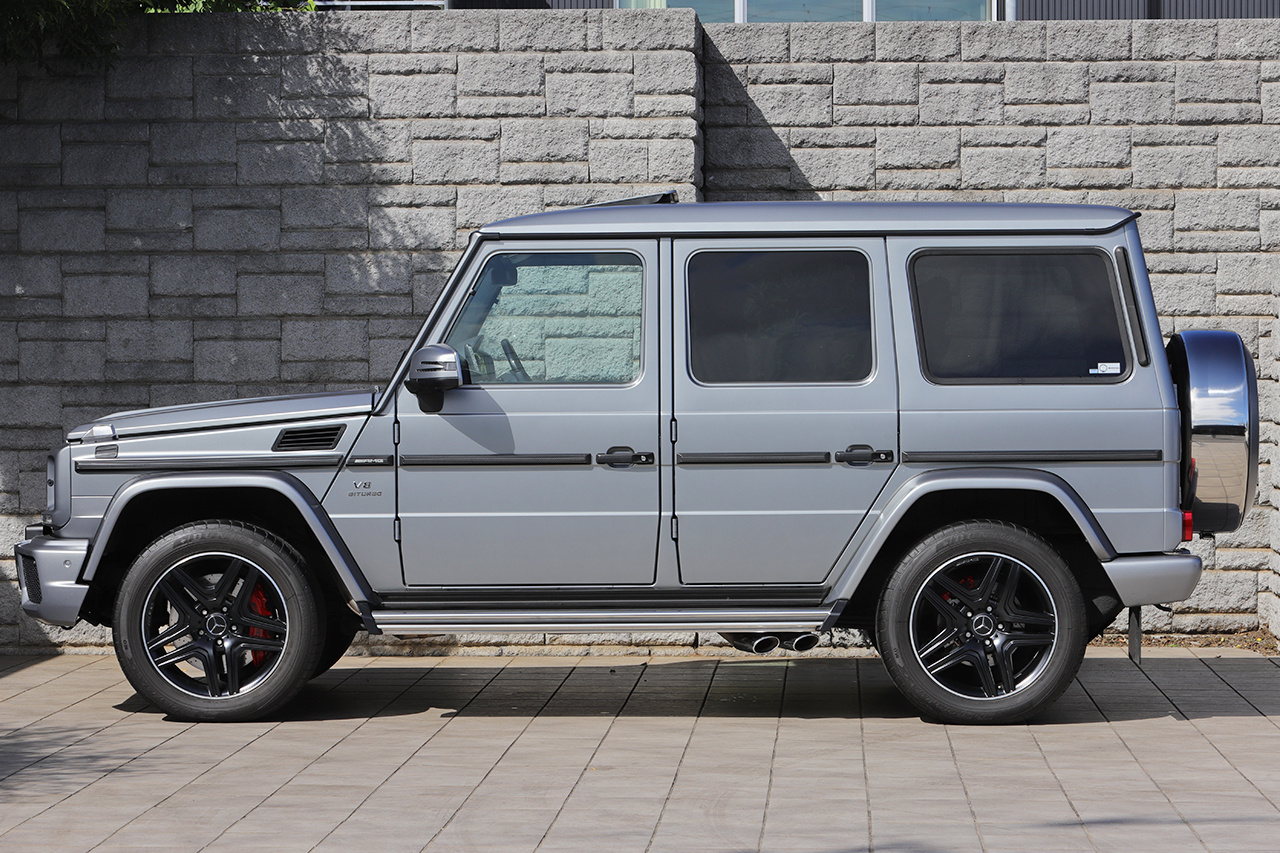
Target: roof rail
<point x="668" y="197"/>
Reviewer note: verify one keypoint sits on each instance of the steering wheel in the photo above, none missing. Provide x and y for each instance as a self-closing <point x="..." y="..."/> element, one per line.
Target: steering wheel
<point x="517" y="368"/>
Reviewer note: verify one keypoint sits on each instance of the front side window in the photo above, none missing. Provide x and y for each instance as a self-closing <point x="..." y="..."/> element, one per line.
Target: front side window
<point x="785" y="316"/>
<point x="553" y="318"/>
<point x="1030" y="316"/>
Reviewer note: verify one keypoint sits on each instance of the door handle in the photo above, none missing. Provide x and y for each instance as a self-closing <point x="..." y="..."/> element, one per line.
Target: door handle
<point x="863" y="454"/>
<point x="623" y="457"/>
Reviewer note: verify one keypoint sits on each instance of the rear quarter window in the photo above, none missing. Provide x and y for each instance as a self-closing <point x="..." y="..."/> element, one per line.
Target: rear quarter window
<point x="1013" y="316"/>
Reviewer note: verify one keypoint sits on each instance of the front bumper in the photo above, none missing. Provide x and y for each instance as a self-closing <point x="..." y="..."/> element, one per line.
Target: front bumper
<point x="48" y="569"/>
<point x="1154" y="578"/>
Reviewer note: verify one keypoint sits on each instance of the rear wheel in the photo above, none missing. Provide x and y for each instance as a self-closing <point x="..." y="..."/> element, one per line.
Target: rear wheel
<point x="216" y="621"/>
<point x="982" y="622"/>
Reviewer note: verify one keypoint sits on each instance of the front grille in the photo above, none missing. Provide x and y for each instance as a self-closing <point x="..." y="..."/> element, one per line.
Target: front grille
<point x="31" y="578"/>
<point x="308" y="438"/>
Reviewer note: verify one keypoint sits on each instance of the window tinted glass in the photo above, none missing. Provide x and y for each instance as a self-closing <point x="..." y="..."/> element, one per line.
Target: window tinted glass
<point x="779" y="317"/>
<point x="554" y="317"/>
<point x="1012" y="316"/>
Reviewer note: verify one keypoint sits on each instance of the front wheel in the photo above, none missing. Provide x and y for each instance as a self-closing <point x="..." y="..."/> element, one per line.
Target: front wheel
<point x="982" y="622"/>
<point x="216" y="621"/>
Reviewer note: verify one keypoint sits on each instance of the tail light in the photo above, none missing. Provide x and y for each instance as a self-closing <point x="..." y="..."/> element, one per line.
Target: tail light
<point x="1187" y="531"/>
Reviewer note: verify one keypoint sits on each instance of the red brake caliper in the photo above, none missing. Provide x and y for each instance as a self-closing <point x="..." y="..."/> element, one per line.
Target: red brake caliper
<point x="258" y="604"/>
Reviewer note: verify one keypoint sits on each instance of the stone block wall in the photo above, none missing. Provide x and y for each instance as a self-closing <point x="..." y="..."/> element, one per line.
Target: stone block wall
<point x="255" y="204"/>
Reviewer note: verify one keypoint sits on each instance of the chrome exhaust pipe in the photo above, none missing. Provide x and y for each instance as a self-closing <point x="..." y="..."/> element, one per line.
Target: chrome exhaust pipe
<point x="758" y="644"/>
<point x="800" y="642"/>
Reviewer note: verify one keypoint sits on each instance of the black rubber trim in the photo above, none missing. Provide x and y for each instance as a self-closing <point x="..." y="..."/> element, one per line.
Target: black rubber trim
<point x="572" y="598"/>
<point x="274" y="461"/>
<point x="500" y="459"/>
<point x="794" y="458"/>
<point x="1131" y="306"/>
<point x="1034" y="456"/>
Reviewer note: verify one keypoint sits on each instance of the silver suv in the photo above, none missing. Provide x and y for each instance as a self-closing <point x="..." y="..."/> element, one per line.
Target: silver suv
<point x="952" y="426"/>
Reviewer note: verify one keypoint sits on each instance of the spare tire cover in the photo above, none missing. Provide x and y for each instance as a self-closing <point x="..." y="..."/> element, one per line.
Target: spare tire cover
<point x="1218" y="397"/>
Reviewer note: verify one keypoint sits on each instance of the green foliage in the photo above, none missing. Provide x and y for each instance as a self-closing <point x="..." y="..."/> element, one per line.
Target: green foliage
<point x="85" y="31"/>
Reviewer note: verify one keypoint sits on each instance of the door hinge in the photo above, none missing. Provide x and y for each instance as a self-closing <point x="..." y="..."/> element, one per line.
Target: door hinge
<point x="673" y="430"/>
<point x="675" y="527"/>
<point x="395" y="432"/>
<point x="395" y="526"/>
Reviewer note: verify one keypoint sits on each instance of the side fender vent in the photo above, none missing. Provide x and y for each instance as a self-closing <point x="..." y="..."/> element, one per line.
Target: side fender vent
<point x="308" y="438"/>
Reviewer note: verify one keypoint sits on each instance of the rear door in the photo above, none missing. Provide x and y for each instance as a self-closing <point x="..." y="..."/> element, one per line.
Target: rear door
<point x="785" y="402"/>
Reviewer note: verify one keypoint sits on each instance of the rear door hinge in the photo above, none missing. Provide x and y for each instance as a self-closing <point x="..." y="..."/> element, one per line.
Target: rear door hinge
<point x="396" y="529"/>
<point x="675" y="528"/>
<point x="395" y="432"/>
<point x="673" y="430"/>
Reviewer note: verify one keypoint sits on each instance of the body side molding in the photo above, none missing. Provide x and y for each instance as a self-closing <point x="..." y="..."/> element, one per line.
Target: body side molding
<point x="283" y="483"/>
<point x="960" y="479"/>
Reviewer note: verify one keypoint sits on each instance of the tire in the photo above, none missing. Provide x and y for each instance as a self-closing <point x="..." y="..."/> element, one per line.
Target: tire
<point x="337" y="639"/>
<point x="981" y="622"/>
<point x="216" y="621"/>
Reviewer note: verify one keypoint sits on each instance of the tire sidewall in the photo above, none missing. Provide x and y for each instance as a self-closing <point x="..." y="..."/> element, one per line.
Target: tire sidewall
<point x="893" y="622"/>
<point x="278" y="561"/>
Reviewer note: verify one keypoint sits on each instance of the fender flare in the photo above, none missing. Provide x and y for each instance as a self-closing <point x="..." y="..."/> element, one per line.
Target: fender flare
<point x="281" y="482"/>
<point x="967" y="479"/>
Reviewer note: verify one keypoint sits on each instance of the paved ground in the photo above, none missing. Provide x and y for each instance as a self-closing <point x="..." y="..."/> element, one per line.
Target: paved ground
<point x="607" y="755"/>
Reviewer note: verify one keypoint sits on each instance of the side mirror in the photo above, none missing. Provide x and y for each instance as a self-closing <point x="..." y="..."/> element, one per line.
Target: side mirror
<point x="433" y="370"/>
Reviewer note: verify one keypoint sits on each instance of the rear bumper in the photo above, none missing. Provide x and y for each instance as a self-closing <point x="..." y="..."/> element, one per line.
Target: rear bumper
<point x="48" y="569"/>
<point x="1154" y="578"/>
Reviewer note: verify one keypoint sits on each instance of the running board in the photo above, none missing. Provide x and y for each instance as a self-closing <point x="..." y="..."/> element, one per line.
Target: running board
<point x="600" y="621"/>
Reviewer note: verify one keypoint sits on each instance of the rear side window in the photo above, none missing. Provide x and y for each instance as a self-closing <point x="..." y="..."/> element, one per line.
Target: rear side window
<point x="793" y="316"/>
<point x="1034" y="316"/>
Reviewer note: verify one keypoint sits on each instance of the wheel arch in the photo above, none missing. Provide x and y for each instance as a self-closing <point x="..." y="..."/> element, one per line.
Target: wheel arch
<point x="148" y="506"/>
<point x="1037" y="500"/>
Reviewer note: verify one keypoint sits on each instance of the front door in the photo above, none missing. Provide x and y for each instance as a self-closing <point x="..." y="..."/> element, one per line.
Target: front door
<point x="785" y="399"/>
<point x="542" y="469"/>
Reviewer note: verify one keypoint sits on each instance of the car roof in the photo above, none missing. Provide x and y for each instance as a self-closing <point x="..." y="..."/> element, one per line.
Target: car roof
<point x="815" y="217"/>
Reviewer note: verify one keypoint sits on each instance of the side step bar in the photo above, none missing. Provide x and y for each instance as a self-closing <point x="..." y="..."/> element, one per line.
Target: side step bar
<point x="755" y="619"/>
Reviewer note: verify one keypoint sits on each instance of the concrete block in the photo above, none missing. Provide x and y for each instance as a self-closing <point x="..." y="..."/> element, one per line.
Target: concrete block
<point x="411" y="96"/>
<point x="328" y="339"/>
<point x="381" y="141"/>
<point x="525" y="141"/>
<point x="674" y="160"/>
<point x="1249" y="146"/>
<point x="265" y="34"/>
<point x="1184" y="295"/>
<point x="1248" y="273"/>
<point x="104" y="165"/>
<point x="1132" y="103"/>
<point x="325" y="207"/>
<point x="1255" y="38"/>
<point x="61" y="361"/>
<point x="1211" y="623"/>
<point x="57" y="98"/>
<point x="1217" y="82"/>
<point x="742" y="147"/>
<point x="193" y="275"/>
<point x="832" y="137"/>
<point x="1179" y="40"/>
<point x="1002" y="137"/>
<point x="1075" y="179"/>
<point x="29" y="275"/>
<point x="598" y="62"/>
<point x="961" y="72"/>
<point x="368" y="274"/>
<point x="62" y="230"/>
<point x="543" y="173"/>
<point x="237" y="361"/>
<point x="1175" y="166"/>
<point x="1088" y="147"/>
<point x="455" y="162"/>
<point x="30" y="143"/>
<point x="366" y="32"/>
<point x="832" y="42"/>
<point x="1202" y="210"/>
<point x="917" y="41"/>
<point x="618" y="160"/>
<point x="1001" y="168"/>
<point x="1046" y="83"/>
<point x="212" y="33"/>
<point x="411" y="227"/>
<point x="191" y="176"/>
<point x="622" y="128"/>
<point x="237" y="97"/>
<point x="754" y="43"/>
<point x="324" y="75"/>
<point x="663" y="106"/>
<point x="237" y="230"/>
<point x="590" y="94"/>
<point x="205" y="142"/>
<point x="1087" y="41"/>
<point x="149" y="77"/>
<point x="833" y="168"/>
<point x="917" y="148"/>
<point x="1133" y="72"/>
<point x="455" y="32"/>
<point x="1216" y="241"/>
<point x="480" y="205"/>
<point x="1053" y="115"/>
<point x="724" y="84"/>
<point x="879" y="83"/>
<point x="500" y="74"/>
<point x="149" y="210"/>
<point x="961" y="103"/>
<point x="794" y="72"/>
<point x="645" y="29"/>
<point x="1218" y="113"/>
<point x="1002" y="41"/>
<point x="280" y="163"/>
<point x="668" y="72"/>
<point x="149" y="340"/>
<point x="542" y="30"/>
<point x="916" y="180"/>
<point x="786" y="106"/>
<point x="104" y="296"/>
<point x="1186" y="136"/>
<point x="503" y="107"/>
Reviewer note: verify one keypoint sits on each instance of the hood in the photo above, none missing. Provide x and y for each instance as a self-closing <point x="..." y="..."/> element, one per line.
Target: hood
<point x="229" y="413"/>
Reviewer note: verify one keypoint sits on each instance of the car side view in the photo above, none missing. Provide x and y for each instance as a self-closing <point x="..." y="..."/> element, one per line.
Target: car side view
<point x="953" y="426"/>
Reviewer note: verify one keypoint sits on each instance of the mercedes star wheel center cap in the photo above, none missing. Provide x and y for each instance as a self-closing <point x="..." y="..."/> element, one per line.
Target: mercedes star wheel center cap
<point x="216" y="624"/>
<point x="983" y="625"/>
